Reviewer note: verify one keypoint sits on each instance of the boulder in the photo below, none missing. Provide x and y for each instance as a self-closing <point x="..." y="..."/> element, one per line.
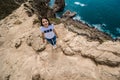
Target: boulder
<point x="58" y="5"/>
<point x="68" y="14"/>
<point x="35" y="42"/>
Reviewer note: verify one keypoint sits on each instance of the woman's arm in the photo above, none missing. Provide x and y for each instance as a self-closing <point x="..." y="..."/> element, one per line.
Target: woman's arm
<point x="55" y="32"/>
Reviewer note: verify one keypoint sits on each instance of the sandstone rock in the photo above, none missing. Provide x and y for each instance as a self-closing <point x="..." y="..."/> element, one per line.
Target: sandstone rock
<point x="103" y="57"/>
<point x="111" y="46"/>
<point x="35" y="41"/>
<point x="77" y="58"/>
<point x="67" y="51"/>
<point x="108" y="73"/>
<point x="69" y="36"/>
<point x="17" y="43"/>
<point x="17" y="22"/>
<point x="80" y="44"/>
<point x="1" y="41"/>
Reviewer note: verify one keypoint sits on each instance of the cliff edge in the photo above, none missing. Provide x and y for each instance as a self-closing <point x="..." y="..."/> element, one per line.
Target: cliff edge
<point x="23" y="56"/>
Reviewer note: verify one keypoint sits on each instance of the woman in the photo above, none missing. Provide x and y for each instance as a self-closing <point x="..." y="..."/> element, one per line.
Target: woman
<point x="48" y="31"/>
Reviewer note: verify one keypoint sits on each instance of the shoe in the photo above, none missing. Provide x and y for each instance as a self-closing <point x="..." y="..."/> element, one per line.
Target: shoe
<point x="54" y="47"/>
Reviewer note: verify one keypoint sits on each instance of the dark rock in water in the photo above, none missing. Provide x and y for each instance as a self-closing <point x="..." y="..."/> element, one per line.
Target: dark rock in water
<point x="117" y="39"/>
<point x="68" y="14"/>
<point x="59" y="5"/>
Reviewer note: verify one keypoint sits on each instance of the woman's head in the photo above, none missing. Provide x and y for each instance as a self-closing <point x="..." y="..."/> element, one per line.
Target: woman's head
<point x="45" y="22"/>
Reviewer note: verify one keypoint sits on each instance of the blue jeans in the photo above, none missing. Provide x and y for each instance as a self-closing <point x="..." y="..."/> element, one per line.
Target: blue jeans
<point x="52" y="41"/>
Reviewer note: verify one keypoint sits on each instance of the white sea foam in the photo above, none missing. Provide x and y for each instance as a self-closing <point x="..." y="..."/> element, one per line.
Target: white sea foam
<point x="118" y="30"/>
<point x="66" y="4"/>
<point x="104" y="24"/>
<point x="101" y="28"/>
<point x="77" y="18"/>
<point x="79" y="3"/>
<point x="98" y="26"/>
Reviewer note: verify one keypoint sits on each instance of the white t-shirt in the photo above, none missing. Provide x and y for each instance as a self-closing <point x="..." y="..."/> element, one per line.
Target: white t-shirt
<point x="48" y="32"/>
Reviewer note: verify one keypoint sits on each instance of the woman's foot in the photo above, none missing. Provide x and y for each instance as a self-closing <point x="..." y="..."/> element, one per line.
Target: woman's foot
<point x="54" y="46"/>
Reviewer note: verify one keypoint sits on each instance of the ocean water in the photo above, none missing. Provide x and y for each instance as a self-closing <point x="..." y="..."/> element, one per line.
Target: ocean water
<point x="101" y="14"/>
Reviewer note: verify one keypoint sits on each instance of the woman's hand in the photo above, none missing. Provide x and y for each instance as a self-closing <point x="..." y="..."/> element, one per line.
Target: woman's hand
<point x="56" y="36"/>
<point x="55" y="33"/>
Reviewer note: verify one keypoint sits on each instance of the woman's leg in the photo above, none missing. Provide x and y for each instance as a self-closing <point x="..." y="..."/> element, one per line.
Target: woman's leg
<point x="52" y="41"/>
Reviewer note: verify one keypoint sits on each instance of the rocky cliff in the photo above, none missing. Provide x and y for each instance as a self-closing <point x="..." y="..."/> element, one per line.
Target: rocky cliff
<point x="23" y="56"/>
<point x="6" y="7"/>
<point x="39" y="7"/>
<point x="58" y="5"/>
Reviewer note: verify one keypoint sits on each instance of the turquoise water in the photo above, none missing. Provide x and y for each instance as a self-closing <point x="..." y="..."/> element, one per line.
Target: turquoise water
<point x="101" y="14"/>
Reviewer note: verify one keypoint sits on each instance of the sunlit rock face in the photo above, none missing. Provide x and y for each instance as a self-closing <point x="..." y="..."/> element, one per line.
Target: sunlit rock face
<point x="23" y="55"/>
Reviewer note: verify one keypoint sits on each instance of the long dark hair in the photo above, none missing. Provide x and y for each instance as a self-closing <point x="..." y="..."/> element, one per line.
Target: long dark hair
<point x="46" y="19"/>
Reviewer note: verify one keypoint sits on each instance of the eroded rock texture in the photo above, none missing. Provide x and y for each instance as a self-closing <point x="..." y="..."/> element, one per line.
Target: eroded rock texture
<point x="23" y="56"/>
